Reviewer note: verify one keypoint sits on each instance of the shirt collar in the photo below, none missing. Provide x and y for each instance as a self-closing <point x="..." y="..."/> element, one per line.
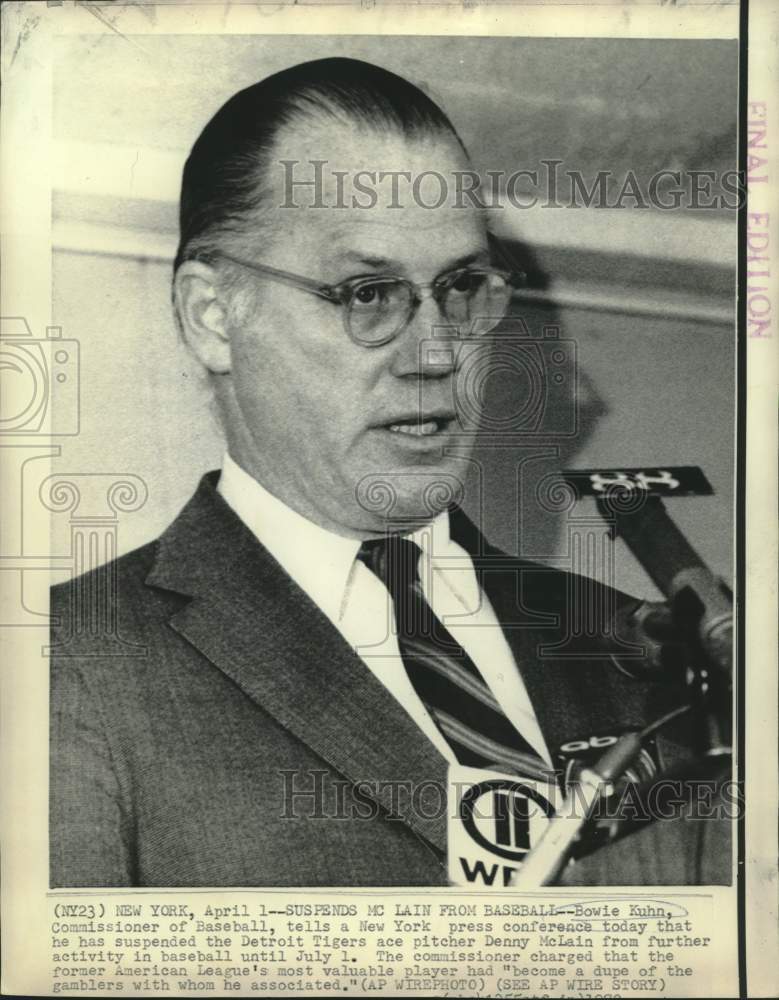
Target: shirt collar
<point x="320" y="561"/>
<point x="449" y="561"/>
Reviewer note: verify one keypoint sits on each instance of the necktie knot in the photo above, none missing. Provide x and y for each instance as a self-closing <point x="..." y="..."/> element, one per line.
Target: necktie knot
<point x="394" y="560"/>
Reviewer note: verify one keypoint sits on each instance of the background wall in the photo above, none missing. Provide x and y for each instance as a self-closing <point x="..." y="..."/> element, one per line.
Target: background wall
<point x="646" y="296"/>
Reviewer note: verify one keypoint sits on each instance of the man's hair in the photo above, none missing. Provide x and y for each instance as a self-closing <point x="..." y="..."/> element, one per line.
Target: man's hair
<point x="223" y="180"/>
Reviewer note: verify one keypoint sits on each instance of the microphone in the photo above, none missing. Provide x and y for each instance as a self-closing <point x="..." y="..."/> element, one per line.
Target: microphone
<point x="597" y="786"/>
<point x="548" y="857"/>
<point x="651" y="626"/>
<point x="701" y="605"/>
<point x="680" y="573"/>
<point x="694" y="628"/>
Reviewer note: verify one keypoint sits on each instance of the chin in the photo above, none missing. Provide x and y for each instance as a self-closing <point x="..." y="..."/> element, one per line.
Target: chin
<point x="411" y="497"/>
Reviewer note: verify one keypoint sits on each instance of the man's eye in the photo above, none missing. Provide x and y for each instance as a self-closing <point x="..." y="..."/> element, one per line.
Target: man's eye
<point x="467" y="282"/>
<point x="371" y="295"/>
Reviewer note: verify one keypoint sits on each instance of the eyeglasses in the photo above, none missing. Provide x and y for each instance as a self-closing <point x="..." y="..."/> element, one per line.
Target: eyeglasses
<point x="376" y="308"/>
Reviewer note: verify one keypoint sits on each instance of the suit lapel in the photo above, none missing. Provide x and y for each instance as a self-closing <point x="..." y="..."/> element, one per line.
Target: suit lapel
<point x="257" y="626"/>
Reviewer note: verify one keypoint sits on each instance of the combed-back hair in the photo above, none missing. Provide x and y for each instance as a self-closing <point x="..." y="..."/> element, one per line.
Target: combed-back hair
<point x="224" y="176"/>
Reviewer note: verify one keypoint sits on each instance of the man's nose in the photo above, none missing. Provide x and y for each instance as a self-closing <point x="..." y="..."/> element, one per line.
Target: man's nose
<point x="428" y="344"/>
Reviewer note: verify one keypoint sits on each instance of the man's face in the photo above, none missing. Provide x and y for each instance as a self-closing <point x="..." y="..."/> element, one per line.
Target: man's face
<point x="328" y="425"/>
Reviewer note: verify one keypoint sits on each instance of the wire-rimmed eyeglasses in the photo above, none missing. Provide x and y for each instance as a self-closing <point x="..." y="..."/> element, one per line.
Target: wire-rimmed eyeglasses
<point x="377" y="307"/>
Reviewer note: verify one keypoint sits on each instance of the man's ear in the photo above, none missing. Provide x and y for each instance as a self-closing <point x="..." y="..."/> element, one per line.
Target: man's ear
<point x="202" y="317"/>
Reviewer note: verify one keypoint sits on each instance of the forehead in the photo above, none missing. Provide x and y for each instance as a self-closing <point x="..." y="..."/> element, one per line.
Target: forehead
<point x="340" y="191"/>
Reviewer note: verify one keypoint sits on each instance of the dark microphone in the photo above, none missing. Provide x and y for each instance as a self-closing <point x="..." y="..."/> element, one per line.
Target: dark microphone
<point x="701" y="605"/>
<point x="649" y="626"/>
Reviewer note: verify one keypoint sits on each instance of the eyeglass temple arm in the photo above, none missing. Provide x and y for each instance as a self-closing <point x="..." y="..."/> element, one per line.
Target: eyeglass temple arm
<point x="287" y="278"/>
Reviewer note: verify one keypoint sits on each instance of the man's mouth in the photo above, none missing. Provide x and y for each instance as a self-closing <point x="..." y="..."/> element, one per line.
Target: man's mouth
<point x="417" y="429"/>
<point x="422" y="425"/>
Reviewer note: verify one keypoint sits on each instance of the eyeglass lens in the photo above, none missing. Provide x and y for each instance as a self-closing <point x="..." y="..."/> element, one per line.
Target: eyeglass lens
<point x="379" y="308"/>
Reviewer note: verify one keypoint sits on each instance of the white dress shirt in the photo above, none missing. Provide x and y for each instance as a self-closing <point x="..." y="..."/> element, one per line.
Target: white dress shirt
<point x="324" y="565"/>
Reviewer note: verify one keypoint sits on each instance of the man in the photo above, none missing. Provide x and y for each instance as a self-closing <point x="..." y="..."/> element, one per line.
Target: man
<point x="324" y="633"/>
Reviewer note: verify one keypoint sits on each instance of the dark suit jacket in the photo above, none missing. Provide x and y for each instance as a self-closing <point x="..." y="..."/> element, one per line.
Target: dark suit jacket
<point x="176" y="739"/>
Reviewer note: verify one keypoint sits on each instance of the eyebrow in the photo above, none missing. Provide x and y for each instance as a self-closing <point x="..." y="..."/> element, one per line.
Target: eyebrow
<point x="386" y="264"/>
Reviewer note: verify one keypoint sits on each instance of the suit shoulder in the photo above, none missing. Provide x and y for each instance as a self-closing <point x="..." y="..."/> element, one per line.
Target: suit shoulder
<point x="536" y="584"/>
<point x="130" y="569"/>
<point x="111" y="600"/>
<point x="552" y="587"/>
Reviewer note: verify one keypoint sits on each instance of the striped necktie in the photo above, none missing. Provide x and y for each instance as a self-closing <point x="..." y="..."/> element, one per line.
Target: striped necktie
<point x="443" y="675"/>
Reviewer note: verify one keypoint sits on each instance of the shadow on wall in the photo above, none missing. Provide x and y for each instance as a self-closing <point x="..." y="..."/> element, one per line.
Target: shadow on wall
<point x="539" y="411"/>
